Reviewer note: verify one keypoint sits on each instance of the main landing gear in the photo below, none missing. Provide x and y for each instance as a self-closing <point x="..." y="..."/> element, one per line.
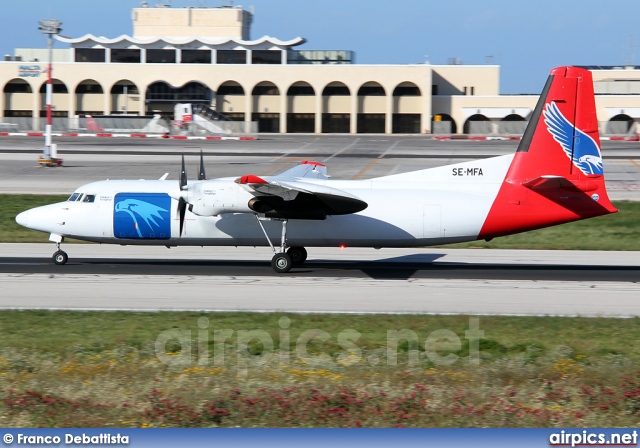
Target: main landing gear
<point x="284" y="258"/>
<point x="59" y="256"/>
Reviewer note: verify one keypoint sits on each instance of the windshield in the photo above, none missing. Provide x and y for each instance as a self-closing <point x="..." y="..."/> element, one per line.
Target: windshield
<point x="73" y="197"/>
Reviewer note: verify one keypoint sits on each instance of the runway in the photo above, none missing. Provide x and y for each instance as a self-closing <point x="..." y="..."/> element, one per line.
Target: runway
<point x="450" y="281"/>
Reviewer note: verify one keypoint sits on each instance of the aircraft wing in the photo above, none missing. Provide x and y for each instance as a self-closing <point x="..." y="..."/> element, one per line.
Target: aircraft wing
<point x="306" y="169"/>
<point x="290" y="197"/>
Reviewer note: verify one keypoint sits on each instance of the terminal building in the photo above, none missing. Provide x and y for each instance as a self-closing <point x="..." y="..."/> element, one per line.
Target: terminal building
<point x="206" y="56"/>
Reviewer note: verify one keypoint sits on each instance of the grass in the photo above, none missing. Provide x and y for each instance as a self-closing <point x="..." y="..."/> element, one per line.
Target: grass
<point x="55" y="331"/>
<point x="620" y="231"/>
<point x="11" y="205"/>
<point x="66" y="368"/>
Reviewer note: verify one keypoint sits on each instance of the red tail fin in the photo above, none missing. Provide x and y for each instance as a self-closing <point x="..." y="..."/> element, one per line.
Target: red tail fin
<point x="556" y="175"/>
<point x="92" y="125"/>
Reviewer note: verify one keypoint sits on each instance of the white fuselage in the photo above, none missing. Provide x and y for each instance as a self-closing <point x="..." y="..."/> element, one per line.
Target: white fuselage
<point x="433" y="206"/>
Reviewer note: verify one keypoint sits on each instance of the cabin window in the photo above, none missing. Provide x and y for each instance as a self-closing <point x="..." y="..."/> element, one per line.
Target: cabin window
<point x="73" y="197"/>
<point x="89" y="198"/>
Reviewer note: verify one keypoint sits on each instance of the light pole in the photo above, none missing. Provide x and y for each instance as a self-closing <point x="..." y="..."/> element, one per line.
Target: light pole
<point x="50" y="28"/>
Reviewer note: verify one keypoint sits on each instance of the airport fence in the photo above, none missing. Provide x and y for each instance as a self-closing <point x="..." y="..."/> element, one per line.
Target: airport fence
<point x="617" y="128"/>
<point x="608" y="129"/>
<point x="223" y="128"/>
<point x="30" y="124"/>
<point x="162" y="125"/>
<point x="156" y="124"/>
<point x="441" y="128"/>
<point x="125" y="124"/>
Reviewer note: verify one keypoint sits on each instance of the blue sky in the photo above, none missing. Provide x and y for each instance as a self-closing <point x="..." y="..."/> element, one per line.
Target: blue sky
<point x="526" y="38"/>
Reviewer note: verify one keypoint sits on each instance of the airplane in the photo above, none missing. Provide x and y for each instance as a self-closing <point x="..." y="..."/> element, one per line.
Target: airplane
<point x="555" y="176"/>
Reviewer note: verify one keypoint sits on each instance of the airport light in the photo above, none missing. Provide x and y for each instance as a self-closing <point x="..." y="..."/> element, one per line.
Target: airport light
<point x="50" y="28"/>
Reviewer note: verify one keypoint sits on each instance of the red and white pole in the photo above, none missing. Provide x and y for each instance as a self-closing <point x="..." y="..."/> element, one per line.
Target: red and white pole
<point x="49" y="126"/>
<point x="50" y="28"/>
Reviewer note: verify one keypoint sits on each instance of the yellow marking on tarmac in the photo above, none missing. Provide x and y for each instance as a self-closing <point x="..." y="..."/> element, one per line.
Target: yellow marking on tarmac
<point x="366" y="168"/>
<point x="288" y="161"/>
<point x="635" y="162"/>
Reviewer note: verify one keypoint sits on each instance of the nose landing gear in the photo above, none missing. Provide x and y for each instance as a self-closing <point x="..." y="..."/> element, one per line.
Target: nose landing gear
<point x="59" y="256"/>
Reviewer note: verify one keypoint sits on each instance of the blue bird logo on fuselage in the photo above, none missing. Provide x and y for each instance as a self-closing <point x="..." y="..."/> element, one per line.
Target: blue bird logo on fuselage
<point x="149" y="216"/>
<point x="578" y="146"/>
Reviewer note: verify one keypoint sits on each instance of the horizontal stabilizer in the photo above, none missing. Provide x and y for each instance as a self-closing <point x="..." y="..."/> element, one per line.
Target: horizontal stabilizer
<point x="549" y="183"/>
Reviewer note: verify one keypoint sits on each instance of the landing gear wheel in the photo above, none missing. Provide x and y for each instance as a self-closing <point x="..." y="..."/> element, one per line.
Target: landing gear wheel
<point x="60" y="257"/>
<point x="298" y="255"/>
<point x="281" y="263"/>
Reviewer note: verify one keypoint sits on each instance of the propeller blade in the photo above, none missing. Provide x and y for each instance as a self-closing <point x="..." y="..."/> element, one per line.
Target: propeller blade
<point x="182" y="209"/>
<point x="183" y="175"/>
<point x="202" y="175"/>
<point x="182" y="203"/>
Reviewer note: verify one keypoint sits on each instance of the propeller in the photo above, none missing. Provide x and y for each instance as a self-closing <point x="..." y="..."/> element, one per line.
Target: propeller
<point x="182" y="203"/>
<point x="202" y="175"/>
<point x="181" y="195"/>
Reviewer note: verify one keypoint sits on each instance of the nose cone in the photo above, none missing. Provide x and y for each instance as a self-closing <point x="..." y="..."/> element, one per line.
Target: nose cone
<point x="48" y="218"/>
<point x="23" y="219"/>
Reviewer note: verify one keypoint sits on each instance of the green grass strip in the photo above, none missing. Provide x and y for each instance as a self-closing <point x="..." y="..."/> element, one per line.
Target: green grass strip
<point x="56" y="332"/>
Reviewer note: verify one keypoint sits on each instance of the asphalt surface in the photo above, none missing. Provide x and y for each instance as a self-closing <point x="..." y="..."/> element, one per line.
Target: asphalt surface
<point x="465" y="281"/>
<point x="347" y="157"/>
<point x="402" y="268"/>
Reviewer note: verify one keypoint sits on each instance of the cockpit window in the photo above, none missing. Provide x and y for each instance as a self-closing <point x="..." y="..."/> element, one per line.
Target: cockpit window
<point x="89" y="198"/>
<point x="79" y="198"/>
<point x="73" y="197"/>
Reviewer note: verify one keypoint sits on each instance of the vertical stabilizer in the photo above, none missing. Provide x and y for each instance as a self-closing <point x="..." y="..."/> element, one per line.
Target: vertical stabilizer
<point x="564" y="118"/>
<point x="557" y="173"/>
<point x="92" y="124"/>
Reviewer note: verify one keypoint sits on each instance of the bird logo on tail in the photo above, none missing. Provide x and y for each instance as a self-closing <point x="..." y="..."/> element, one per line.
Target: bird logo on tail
<point x="578" y="146"/>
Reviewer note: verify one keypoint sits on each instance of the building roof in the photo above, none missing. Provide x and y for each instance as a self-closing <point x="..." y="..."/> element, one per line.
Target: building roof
<point x="609" y="67"/>
<point x="90" y="39"/>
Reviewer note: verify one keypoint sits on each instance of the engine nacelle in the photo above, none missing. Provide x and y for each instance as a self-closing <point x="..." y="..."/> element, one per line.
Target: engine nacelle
<point x="303" y="207"/>
<point x="212" y="198"/>
<point x="203" y="210"/>
<point x="259" y="205"/>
